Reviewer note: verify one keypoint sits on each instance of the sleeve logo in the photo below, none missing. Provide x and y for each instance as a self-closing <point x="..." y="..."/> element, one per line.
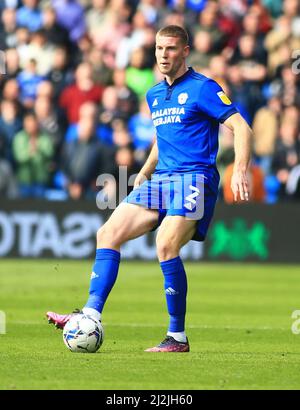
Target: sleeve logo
<point x="223" y="97"/>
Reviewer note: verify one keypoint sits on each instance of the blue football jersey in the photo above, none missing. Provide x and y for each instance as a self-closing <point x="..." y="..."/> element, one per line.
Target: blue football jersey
<point x="186" y="116"/>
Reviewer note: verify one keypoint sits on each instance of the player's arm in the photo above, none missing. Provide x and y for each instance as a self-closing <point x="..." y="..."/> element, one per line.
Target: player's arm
<point x="242" y="148"/>
<point x="149" y="166"/>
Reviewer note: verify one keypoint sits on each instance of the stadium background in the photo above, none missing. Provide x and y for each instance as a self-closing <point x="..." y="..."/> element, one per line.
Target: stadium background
<point x="82" y="68"/>
<point x="72" y="107"/>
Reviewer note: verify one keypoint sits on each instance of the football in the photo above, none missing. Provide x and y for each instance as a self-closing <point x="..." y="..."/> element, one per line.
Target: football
<point x="83" y="334"/>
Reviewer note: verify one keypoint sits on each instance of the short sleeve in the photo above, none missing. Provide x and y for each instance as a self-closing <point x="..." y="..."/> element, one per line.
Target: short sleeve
<point x="148" y="99"/>
<point x="214" y="102"/>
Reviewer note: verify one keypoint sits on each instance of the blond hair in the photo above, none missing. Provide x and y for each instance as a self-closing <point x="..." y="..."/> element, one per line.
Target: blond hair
<point x="174" y="31"/>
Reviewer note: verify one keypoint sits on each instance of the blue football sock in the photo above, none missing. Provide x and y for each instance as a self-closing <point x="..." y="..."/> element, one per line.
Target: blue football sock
<point x="103" y="278"/>
<point x="176" y="291"/>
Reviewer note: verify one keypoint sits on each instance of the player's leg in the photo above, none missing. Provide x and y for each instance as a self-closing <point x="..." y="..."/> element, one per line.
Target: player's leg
<point x="174" y="233"/>
<point x="128" y="221"/>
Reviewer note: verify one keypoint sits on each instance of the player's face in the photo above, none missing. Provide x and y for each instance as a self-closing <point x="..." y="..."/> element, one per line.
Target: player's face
<point x="170" y="55"/>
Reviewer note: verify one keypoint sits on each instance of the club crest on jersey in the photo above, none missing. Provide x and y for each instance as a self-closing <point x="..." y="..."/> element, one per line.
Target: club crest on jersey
<point x="182" y="98"/>
<point x="223" y="97"/>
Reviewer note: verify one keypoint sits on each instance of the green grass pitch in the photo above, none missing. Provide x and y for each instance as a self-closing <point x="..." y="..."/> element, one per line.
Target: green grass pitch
<point x="239" y="326"/>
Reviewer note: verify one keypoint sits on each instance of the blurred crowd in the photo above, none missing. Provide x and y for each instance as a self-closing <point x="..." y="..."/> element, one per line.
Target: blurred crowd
<point x="77" y="71"/>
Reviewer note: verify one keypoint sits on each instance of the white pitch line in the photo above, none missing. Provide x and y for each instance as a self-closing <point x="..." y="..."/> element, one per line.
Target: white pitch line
<point x="148" y="325"/>
<point x="200" y="326"/>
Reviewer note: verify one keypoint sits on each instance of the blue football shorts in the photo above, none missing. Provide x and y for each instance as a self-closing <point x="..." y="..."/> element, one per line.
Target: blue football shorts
<point x="192" y="195"/>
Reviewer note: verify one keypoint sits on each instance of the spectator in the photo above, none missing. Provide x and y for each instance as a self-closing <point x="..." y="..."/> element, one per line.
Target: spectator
<point x="124" y="157"/>
<point x="265" y="22"/>
<point x="23" y="39"/>
<point x="175" y="18"/>
<point x="8" y="38"/>
<point x="183" y="7"/>
<point x="291" y="8"/>
<point x="251" y="26"/>
<point x="102" y="74"/>
<point x="9" y="4"/>
<point x="82" y="91"/>
<point x="121" y="136"/>
<point x="28" y="81"/>
<point x="218" y="69"/>
<point x="279" y="43"/>
<point x="291" y="115"/>
<point x="114" y="29"/>
<point x="149" y="47"/>
<point x="55" y="34"/>
<point x="274" y="7"/>
<point x="149" y="9"/>
<point x="11" y="90"/>
<point x="230" y="15"/>
<point x="286" y="155"/>
<point x="139" y="78"/>
<point x="135" y="40"/>
<point x="109" y="112"/>
<point x="84" y="47"/>
<point x="92" y="61"/>
<point x="95" y="17"/>
<point x="195" y="5"/>
<point x="30" y="15"/>
<point x="88" y="111"/>
<point x="252" y="73"/>
<point x="45" y="89"/>
<point x="245" y="97"/>
<point x="208" y="21"/>
<point x="265" y="128"/>
<point x="61" y="74"/>
<point x="70" y="15"/>
<point x="142" y="130"/>
<point x="252" y="65"/>
<point x="10" y="124"/>
<point x="203" y="51"/>
<point x="12" y="63"/>
<point x="33" y="152"/>
<point x="289" y="87"/>
<point x="127" y="98"/>
<point x="82" y="161"/>
<point x="49" y="121"/>
<point x="39" y="50"/>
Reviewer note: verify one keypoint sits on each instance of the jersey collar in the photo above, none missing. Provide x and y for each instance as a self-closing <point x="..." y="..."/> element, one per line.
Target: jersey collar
<point x="181" y="78"/>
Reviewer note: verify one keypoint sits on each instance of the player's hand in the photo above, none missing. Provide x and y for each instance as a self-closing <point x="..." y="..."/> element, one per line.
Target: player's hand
<point x="140" y="178"/>
<point x="240" y="185"/>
